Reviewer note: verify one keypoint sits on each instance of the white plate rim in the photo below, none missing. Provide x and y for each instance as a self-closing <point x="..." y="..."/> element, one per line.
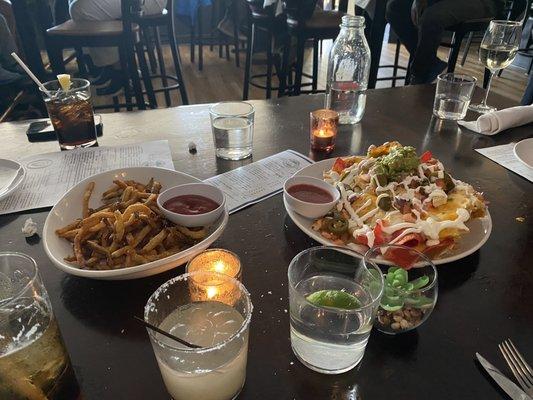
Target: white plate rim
<point x="516" y="149"/>
<point x="131" y="272"/>
<point x="18" y="179"/>
<point x="487" y="220"/>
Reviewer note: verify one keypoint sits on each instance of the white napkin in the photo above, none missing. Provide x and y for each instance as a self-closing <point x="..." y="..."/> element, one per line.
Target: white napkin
<point x="497" y="121"/>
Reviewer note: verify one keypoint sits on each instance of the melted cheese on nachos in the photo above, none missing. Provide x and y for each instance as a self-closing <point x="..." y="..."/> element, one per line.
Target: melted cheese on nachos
<point x="394" y="196"/>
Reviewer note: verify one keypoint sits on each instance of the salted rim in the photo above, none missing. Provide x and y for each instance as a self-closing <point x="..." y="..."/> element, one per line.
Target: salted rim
<point x="33" y="277"/>
<point x="341" y="250"/>
<point x="219" y="345"/>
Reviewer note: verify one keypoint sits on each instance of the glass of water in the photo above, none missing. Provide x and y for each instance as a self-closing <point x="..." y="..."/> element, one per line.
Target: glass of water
<point x="333" y="304"/>
<point x="453" y="95"/>
<point x="232" y="123"/>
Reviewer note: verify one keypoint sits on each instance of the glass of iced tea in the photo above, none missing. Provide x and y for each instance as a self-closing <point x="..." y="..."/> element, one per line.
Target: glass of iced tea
<point x="71" y="113"/>
<point x="34" y="363"/>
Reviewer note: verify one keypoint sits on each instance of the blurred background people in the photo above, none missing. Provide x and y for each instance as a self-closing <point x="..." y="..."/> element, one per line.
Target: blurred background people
<point x="105" y="61"/>
<point x="420" y="25"/>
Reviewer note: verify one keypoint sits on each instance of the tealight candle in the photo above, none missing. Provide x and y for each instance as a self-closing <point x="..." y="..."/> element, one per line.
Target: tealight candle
<point x="214" y="260"/>
<point x="324" y="125"/>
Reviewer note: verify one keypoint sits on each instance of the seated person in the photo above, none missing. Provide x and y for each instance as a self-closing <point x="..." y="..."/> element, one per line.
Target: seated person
<point x="10" y="72"/>
<point x="106" y="59"/>
<point x="420" y="24"/>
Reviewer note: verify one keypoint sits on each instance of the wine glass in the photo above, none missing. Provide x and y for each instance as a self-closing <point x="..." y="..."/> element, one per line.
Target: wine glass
<point x="497" y="50"/>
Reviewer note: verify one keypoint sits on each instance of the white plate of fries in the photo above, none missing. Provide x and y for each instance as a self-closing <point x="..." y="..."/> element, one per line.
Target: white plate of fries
<point x="109" y="226"/>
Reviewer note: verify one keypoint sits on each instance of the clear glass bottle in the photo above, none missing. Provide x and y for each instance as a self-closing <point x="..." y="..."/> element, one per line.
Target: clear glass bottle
<point x="348" y="69"/>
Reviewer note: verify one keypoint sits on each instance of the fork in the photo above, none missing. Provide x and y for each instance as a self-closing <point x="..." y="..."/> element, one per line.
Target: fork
<point x="520" y="368"/>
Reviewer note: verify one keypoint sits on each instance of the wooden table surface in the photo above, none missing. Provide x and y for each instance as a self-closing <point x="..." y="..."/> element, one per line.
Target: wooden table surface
<point x="484" y="298"/>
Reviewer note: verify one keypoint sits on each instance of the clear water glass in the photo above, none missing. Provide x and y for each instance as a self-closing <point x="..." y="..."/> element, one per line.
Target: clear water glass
<point x="232" y="123"/>
<point x="207" y="309"/>
<point x="329" y="339"/>
<point x="34" y="363"/>
<point x="453" y="95"/>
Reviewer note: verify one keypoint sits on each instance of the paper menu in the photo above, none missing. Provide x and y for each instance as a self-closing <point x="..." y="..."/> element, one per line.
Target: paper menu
<point x="260" y="180"/>
<point x="504" y="156"/>
<point x="49" y="176"/>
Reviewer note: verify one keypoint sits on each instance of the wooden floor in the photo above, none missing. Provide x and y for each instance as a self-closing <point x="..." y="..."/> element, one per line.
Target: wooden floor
<point x="222" y="80"/>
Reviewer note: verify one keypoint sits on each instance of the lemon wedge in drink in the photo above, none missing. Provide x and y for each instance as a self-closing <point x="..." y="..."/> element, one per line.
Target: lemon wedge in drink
<point x="334" y="299"/>
<point x="64" y="81"/>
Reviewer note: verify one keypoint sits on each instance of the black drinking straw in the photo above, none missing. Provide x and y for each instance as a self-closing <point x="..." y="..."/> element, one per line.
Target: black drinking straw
<point x="168" y="335"/>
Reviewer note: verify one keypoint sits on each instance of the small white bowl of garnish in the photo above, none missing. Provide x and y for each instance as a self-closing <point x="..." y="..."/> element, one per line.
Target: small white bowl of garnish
<point x="192" y="204"/>
<point x="310" y="197"/>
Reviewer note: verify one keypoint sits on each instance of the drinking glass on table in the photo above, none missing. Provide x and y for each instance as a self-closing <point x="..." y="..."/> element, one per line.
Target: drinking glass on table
<point x="453" y="95"/>
<point x="34" y="363"/>
<point x="232" y="123"/>
<point x="497" y="51"/>
<point x="333" y="304"/>
<point x="71" y="113"/>
<point x="206" y="309"/>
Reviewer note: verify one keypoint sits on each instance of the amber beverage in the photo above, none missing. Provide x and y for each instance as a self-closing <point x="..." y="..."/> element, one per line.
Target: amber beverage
<point x="71" y="113"/>
<point x="34" y="363"/>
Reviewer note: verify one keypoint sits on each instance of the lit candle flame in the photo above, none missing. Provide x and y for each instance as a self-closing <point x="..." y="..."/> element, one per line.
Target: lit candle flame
<point x="219" y="266"/>
<point x="211" y="292"/>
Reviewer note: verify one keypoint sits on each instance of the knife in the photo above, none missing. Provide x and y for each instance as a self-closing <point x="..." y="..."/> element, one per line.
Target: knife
<point x="505" y="383"/>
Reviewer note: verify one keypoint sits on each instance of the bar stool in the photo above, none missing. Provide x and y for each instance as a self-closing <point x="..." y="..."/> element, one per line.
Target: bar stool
<point x="305" y="22"/>
<point x="79" y="34"/>
<point x="149" y="26"/>
<point x="262" y="20"/>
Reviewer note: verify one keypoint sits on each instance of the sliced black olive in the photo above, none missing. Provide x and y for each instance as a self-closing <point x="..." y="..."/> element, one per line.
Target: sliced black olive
<point x="448" y="181"/>
<point x="382" y="179"/>
<point x="385" y="203"/>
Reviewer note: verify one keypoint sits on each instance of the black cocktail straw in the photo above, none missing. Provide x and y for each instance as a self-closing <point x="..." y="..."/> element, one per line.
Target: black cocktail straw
<point x="168" y="335"/>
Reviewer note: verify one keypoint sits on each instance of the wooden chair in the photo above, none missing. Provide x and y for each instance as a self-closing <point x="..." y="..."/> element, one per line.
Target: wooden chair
<point x="305" y="22"/>
<point x="149" y="26"/>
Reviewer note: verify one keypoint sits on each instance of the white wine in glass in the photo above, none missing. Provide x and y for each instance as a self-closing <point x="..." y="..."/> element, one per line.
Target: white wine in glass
<point x="497" y="51"/>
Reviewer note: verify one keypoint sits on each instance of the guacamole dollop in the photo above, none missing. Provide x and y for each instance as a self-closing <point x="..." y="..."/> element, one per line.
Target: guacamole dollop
<point x="399" y="159"/>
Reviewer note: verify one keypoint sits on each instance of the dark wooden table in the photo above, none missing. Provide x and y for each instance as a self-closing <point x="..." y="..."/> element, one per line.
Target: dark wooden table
<point x="484" y="298"/>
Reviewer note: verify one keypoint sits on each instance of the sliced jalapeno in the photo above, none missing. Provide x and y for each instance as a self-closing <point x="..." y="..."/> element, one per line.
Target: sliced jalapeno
<point x="337" y="225"/>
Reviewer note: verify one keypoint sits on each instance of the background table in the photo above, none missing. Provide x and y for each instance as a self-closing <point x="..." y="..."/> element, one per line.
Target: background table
<point x="483" y="298"/>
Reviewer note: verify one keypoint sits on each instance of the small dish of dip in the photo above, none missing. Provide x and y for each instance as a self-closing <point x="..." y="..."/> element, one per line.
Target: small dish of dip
<point x="192" y="204"/>
<point x="310" y="197"/>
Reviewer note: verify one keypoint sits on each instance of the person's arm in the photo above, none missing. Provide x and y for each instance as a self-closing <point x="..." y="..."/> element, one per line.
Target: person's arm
<point x="417" y="9"/>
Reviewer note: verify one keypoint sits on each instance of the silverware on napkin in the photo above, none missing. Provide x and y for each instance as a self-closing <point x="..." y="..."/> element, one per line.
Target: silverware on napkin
<point x="505" y="383"/>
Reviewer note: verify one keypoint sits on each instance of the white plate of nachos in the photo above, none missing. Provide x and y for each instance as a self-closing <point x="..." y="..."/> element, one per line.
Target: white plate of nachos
<point x="393" y="195"/>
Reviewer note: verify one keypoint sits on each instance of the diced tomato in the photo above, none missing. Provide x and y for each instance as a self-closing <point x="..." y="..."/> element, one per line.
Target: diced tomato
<point x="440" y="183"/>
<point x="435" y="251"/>
<point x="339" y="165"/>
<point x="401" y="257"/>
<point x="361" y="239"/>
<point x="410" y="240"/>
<point x="379" y="235"/>
<point x="426" y="156"/>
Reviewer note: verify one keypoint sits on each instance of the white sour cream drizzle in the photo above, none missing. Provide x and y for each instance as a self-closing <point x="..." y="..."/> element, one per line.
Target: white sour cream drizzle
<point x="429" y="227"/>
